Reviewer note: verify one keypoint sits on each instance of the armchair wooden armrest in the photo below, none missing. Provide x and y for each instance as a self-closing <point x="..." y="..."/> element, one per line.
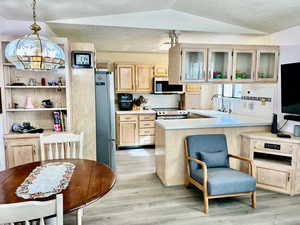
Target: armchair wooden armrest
<point x="249" y="161"/>
<point x="204" y="167"/>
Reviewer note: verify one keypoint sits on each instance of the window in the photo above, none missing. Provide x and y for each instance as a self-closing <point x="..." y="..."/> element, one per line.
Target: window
<point x="230" y="90"/>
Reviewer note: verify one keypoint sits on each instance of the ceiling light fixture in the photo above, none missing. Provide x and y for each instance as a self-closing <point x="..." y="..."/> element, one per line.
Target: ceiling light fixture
<point x="173" y="41"/>
<point x="34" y="52"/>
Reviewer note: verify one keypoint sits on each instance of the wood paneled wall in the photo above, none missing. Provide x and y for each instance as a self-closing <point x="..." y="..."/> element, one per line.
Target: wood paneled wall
<point x="83" y="103"/>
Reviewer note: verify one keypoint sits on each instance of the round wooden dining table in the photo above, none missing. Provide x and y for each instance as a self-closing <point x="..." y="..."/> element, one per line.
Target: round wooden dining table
<point x="90" y="181"/>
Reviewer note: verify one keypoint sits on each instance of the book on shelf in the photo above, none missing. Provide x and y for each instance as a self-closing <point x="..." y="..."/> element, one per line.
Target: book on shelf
<point x="59" y="121"/>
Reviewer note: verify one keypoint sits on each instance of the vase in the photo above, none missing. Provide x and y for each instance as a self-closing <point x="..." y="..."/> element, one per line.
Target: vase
<point x="29" y="104"/>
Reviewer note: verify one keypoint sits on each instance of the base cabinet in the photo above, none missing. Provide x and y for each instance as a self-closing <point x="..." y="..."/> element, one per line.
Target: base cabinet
<point x="21" y="151"/>
<point x="135" y="129"/>
<point x="276" y="161"/>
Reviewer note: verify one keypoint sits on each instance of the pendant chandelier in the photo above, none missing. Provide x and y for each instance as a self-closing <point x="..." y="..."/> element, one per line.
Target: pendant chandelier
<point x="34" y="52"/>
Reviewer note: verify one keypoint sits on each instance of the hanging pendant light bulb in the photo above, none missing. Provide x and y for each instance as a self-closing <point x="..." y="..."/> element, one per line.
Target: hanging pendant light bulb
<point x="34" y="52"/>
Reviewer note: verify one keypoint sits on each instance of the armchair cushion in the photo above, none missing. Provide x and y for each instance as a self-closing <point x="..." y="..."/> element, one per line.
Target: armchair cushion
<point x="214" y="159"/>
<point x="208" y="143"/>
<point x="222" y="181"/>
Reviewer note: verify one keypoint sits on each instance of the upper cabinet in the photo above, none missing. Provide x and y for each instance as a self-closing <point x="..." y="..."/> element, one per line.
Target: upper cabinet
<point x="219" y="64"/>
<point x="143" y="78"/>
<point x="125" y="75"/>
<point x="243" y="65"/>
<point x="132" y="78"/>
<point x="267" y="65"/>
<point x="196" y="63"/>
<point x="160" y="71"/>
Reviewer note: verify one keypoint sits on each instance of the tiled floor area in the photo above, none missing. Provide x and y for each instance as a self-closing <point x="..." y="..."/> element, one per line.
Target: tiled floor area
<point x="140" y="199"/>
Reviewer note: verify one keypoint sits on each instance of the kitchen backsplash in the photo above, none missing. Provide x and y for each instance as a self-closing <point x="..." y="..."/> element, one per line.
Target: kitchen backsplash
<point x="251" y="106"/>
<point x="160" y="101"/>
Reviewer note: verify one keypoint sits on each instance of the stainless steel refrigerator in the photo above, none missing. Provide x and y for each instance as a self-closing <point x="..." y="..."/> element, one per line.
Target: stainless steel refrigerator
<point x="105" y="118"/>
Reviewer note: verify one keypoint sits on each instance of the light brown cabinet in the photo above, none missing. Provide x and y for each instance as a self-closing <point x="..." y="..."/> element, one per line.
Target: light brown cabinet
<point x="143" y="78"/>
<point x="125" y="76"/>
<point x="160" y="71"/>
<point x="276" y="161"/>
<point x="191" y="100"/>
<point x="127" y="130"/>
<point x="21" y="151"/>
<point x="132" y="78"/>
<point x="135" y="129"/>
<point x="201" y="63"/>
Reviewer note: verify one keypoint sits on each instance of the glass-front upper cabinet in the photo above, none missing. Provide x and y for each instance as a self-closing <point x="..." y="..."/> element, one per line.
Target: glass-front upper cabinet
<point x="267" y="65"/>
<point x="194" y="63"/>
<point x="219" y="65"/>
<point x="243" y="65"/>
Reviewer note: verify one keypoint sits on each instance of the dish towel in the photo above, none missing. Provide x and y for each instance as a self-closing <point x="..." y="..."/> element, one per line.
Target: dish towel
<point x="46" y="180"/>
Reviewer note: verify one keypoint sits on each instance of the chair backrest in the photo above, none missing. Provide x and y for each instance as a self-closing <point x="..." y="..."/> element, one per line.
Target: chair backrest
<point x="32" y="210"/>
<point x="61" y="146"/>
<point x="205" y="143"/>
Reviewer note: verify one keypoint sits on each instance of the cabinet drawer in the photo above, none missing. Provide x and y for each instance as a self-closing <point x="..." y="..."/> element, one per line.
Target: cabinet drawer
<point x="284" y="147"/>
<point x="147" y="117"/>
<point x="147" y="131"/>
<point x="147" y="124"/>
<point x="146" y="140"/>
<point x="274" y="178"/>
<point x="128" y="118"/>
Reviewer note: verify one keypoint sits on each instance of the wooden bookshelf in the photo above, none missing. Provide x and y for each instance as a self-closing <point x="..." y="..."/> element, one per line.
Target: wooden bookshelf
<point x="39" y="116"/>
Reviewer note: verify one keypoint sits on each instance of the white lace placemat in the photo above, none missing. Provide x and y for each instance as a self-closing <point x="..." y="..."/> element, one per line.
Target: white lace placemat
<point x="46" y="180"/>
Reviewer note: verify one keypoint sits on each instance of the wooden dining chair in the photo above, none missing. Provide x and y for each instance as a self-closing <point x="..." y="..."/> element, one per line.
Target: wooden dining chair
<point x="31" y="211"/>
<point x="63" y="146"/>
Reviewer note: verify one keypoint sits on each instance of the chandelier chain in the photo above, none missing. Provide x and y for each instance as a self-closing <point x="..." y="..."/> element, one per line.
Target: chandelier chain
<point x="34" y="11"/>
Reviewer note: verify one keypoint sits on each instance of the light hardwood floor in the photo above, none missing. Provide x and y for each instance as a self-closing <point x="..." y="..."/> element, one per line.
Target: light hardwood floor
<point x="140" y="199"/>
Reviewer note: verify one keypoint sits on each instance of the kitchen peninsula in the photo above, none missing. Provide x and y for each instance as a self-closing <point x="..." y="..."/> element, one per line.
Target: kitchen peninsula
<point x="170" y="135"/>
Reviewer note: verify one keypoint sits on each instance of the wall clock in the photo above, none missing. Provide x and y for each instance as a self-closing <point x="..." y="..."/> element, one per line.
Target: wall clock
<point x="82" y="59"/>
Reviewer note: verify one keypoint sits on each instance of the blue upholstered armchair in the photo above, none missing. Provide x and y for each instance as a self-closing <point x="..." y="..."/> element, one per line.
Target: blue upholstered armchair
<point x="208" y="169"/>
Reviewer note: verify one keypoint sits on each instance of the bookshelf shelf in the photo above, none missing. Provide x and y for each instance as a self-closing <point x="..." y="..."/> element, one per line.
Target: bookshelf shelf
<point x="35" y="87"/>
<point x="36" y="109"/>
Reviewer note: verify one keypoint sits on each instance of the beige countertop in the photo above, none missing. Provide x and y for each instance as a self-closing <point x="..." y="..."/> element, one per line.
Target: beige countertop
<point x="217" y="119"/>
<point x="271" y="137"/>
<point x="136" y="112"/>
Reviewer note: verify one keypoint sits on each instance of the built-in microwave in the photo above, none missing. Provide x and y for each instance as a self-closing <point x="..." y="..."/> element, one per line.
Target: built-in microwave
<point x="161" y="86"/>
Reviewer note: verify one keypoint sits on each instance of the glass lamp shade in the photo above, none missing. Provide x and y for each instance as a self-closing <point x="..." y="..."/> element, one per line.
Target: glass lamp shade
<point x="35" y="53"/>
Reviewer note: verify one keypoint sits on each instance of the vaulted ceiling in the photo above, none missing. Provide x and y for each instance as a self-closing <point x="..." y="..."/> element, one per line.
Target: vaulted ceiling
<point x="72" y="17"/>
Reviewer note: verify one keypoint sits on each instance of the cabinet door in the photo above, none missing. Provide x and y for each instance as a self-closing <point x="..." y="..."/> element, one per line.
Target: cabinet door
<point x="267" y="65"/>
<point x="192" y="100"/>
<point x="128" y="134"/>
<point x="143" y="80"/>
<point x="18" y="153"/>
<point x="125" y="78"/>
<point x="219" y="65"/>
<point x="160" y="71"/>
<point x="243" y="65"/>
<point x="272" y="178"/>
<point x="194" y="63"/>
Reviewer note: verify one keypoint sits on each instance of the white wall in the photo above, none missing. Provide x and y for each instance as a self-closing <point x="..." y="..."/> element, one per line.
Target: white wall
<point x="289" y="40"/>
<point x="250" y="107"/>
<point x="160" y="101"/>
<point x="17" y="27"/>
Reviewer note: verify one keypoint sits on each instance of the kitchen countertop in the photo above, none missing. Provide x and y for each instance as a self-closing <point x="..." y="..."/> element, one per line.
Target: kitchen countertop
<point x="136" y="112"/>
<point x="219" y="119"/>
